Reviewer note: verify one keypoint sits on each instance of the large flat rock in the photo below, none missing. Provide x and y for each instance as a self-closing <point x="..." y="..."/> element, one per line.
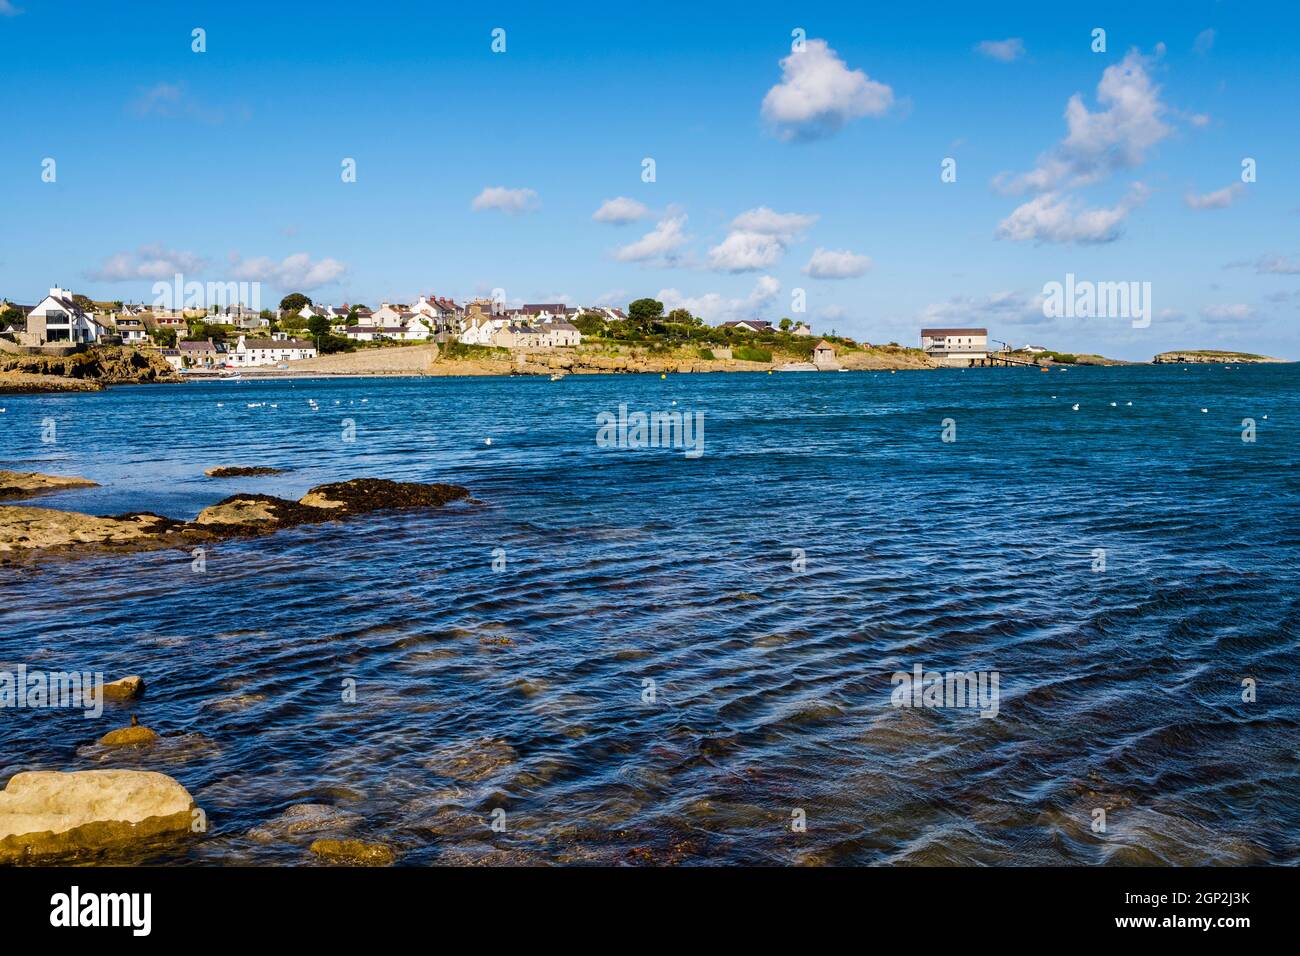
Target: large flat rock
<point x="48" y="816"/>
<point x="26" y="484"/>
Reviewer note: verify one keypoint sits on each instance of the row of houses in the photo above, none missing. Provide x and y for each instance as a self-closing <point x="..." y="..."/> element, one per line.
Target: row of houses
<point x="244" y="353"/>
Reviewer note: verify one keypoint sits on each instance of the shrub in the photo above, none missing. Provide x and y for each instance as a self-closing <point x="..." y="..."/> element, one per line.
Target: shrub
<point x="747" y="353"/>
<point x="706" y="354"/>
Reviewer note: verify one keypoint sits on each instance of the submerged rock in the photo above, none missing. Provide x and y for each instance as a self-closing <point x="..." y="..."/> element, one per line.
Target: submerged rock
<point x="354" y="852"/>
<point x="25" y="530"/>
<point x="124" y="688"/>
<point x="28" y="484"/>
<point x="49" y="816"/>
<point x="241" y="471"/>
<point x="304" y="818"/>
<point x="361" y="495"/>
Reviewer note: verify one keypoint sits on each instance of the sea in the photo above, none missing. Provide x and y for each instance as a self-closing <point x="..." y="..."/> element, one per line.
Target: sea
<point x="620" y="652"/>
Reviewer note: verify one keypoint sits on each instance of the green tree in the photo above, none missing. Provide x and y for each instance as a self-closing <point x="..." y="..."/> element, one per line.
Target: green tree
<point x="318" y="325"/>
<point x="294" y="301"/>
<point x="643" y="313"/>
<point x="166" y="338"/>
<point x="785" y="324"/>
<point x="296" y="323"/>
<point x="84" y="303"/>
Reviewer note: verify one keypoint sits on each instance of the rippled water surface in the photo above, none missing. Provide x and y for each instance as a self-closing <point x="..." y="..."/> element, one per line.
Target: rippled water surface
<point x="525" y="689"/>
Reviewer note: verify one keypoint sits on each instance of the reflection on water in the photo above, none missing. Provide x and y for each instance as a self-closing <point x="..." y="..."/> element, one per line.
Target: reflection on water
<point x="525" y="689"/>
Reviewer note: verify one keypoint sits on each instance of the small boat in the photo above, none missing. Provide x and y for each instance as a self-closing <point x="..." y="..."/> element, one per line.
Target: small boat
<point x="556" y="376"/>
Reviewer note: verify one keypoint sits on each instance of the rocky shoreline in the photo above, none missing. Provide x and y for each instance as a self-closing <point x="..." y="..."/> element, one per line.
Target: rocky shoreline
<point x="89" y="371"/>
<point x="28" y="532"/>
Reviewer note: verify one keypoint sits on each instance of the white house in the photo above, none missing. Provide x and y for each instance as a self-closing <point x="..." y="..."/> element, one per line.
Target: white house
<point x="749" y="325"/>
<point x="132" y="330"/>
<point x="56" y="318"/>
<point x="560" y="334"/>
<point x="387" y="314"/>
<point x="479" y="330"/>
<point x="248" y="352"/>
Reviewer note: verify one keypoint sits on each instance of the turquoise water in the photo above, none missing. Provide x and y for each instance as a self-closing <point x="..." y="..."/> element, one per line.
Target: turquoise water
<point x="769" y="588"/>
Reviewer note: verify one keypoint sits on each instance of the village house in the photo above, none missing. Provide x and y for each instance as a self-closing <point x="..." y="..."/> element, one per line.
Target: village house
<point x="560" y="334"/>
<point x="249" y="352"/>
<point x="57" y="319"/>
<point x="132" y="330"/>
<point x="956" y="347"/>
<point x="748" y="325"/>
<point x="479" y="329"/>
<point x="173" y="357"/>
<point x="204" y="354"/>
<point x="517" y="337"/>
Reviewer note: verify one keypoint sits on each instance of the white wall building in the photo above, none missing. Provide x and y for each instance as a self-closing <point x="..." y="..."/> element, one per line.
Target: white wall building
<point x="56" y="318"/>
<point x="249" y="352"/>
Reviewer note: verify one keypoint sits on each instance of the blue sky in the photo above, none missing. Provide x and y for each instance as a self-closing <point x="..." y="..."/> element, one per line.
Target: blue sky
<point x="226" y="164"/>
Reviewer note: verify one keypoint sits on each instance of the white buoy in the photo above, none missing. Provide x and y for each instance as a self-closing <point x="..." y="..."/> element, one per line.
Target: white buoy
<point x="487" y="441"/>
<point x="1204" y="410"/>
<point x="1113" y="404"/>
<point x="1076" y="406"/>
<point x="1128" y="403"/>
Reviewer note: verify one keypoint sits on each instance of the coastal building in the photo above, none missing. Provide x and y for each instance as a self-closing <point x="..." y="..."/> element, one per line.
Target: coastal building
<point x="250" y="352"/>
<point x="173" y="357"/>
<point x="748" y="325"/>
<point x="517" y="337"/>
<point x="560" y="334"/>
<point x="824" y="356"/>
<point x="132" y="330"/>
<point x="57" y="319"/>
<point x="800" y="329"/>
<point x="201" y="354"/>
<point x="956" y="347"/>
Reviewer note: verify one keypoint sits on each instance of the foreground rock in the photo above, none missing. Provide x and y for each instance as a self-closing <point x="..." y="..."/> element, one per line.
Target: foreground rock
<point x="28" y="484"/>
<point x="25" y="532"/>
<point x="24" y="383"/>
<point x="241" y="471"/>
<point x="128" y="736"/>
<point x="47" y="816"/>
<point x="353" y="853"/>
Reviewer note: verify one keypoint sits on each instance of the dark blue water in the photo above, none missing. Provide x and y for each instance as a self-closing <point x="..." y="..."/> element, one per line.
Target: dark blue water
<point x="524" y="689"/>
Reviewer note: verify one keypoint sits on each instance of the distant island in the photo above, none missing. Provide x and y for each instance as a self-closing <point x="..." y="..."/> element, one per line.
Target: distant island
<point x="1201" y="356"/>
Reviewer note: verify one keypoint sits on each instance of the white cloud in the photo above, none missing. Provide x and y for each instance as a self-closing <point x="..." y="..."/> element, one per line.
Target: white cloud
<point x="296" y="272"/>
<point x="1053" y="217"/>
<point x="511" y="201"/>
<point x="659" y="244"/>
<point x="174" y="101"/>
<point x="714" y="308"/>
<point x="746" y="252"/>
<point x="786" y="225"/>
<point x="620" y="211"/>
<point x="1012" y="48"/>
<point x="1219" y="199"/>
<point x="818" y="94"/>
<point x="1113" y="138"/>
<point x="757" y="239"/>
<point x="1204" y="42"/>
<point x="150" y="261"/>
<point x="1269" y="265"/>
<point x="7" y="9"/>
<point x="1235" y="312"/>
<point x="836" y="264"/>
<point x="1000" y="308"/>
